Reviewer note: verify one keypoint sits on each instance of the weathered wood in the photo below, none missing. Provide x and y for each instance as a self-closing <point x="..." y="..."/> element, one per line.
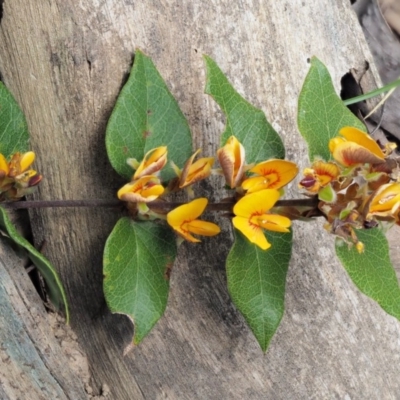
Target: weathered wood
<point x="32" y="362"/>
<point x="65" y="62"/>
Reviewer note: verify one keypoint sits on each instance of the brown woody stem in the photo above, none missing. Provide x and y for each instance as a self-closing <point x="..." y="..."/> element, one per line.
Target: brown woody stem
<point x="158" y="204"/>
<point x="61" y="203"/>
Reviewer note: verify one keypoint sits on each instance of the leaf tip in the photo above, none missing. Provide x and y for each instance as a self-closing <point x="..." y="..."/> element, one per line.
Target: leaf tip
<point x="315" y="60"/>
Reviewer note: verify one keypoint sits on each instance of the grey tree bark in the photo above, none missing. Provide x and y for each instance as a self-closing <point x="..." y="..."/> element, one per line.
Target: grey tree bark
<point x="65" y="62"/>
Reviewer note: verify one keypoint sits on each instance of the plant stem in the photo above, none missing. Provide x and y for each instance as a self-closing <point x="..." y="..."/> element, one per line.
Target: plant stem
<point x="16" y="205"/>
<point x="155" y="205"/>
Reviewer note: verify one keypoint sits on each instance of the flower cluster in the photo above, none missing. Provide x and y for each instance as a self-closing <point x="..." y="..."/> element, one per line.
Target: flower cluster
<point x="257" y="189"/>
<point x="146" y="187"/>
<point x="357" y="189"/>
<point x="16" y="177"/>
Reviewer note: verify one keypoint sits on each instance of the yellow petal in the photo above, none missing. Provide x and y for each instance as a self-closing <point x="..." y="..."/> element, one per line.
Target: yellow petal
<point x="363" y="139"/>
<point x="153" y="161"/>
<point x="204" y="228"/>
<point x="336" y="141"/>
<point x="185" y="170"/>
<point x="125" y="189"/>
<point x="232" y="160"/>
<point x="350" y="153"/>
<point x="326" y="171"/>
<point x="278" y="172"/>
<point x="386" y="198"/>
<point x="19" y="163"/>
<point x="273" y="222"/>
<point x="4" y="164"/>
<point x="255" y="184"/>
<point x="154" y="155"/>
<point x="26" y="160"/>
<point x="253" y="232"/>
<point x="201" y="169"/>
<point x="256" y="203"/>
<point x="145" y="189"/>
<point x="187" y="212"/>
<point x="186" y="234"/>
<point x="152" y="191"/>
<point x="193" y="172"/>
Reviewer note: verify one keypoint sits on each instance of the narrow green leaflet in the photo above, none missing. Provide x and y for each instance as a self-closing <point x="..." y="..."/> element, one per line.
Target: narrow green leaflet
<point x="54" y="286"/>
<point x="247" y="123"/>
<point x="321" y="112"/>
<point x="146" y="116"/>
<point x="138" y="258"/>
<point x="256" y="282"/>
<point x="14" y="134"/>
<point x="371" y="271"/>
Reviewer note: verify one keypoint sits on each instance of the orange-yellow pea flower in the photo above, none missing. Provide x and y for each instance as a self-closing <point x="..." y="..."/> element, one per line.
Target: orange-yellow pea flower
<point x="355" y="147"/>
<point x="386" y="201"/>
<point x="232" y="160"/>
<point x="183" y="220"/>
<point x="318" y="176"/>
<point x="145" y="189"/>
<point x="252" y="216"/>
<point x="16" y="179"/>
<point x="153" y="161"/>
<point x="195" y="171"/>
<point x="272" y="174"/>
<point x="19" y="163"/>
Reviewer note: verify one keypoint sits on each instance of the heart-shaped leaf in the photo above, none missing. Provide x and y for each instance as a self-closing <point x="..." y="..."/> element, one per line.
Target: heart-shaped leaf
<point x="146" y="116"/>
<point x="321" y="112"/>
<point x="54" y="286"/>
<point x="138" y="258"/>
<point x="14" y="136"/>
<point x="247" y="123"/>
<point x="256" y="282"/>
<point x="371" y="271"/>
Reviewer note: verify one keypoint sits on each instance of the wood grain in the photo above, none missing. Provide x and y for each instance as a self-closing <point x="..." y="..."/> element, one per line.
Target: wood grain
<point x="31" y="358"/>
<point x="65" y="61"/>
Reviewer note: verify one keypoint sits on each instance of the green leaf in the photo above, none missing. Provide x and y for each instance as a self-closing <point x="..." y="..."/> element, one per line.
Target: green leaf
<point x="14" y="136"/>
<point x="247" y="123"/>
<point x="256" y="282"/>
<point x="371" y="271"/>
<point x="321" y="112"/>
<point x="54" y="286"/>
<point x="138" y="257"/>
<point x="146" y="116"/>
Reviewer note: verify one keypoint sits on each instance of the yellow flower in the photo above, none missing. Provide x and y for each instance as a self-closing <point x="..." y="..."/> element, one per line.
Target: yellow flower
<point x="252" y="216"/>
<point x="318" y="176"/>
<point x="194" y="171"/>
<point x="386" y="201"/>
<point x="145" y="189"/>
<point x="232" y="159"/>
<point x="153" y="161"/>
<point x="16" y="179"/>
<point x="183" y="220"/>
<point x="355" y="147"/>
<point x="19" y="163"/>
<point x="272" y="174"/>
